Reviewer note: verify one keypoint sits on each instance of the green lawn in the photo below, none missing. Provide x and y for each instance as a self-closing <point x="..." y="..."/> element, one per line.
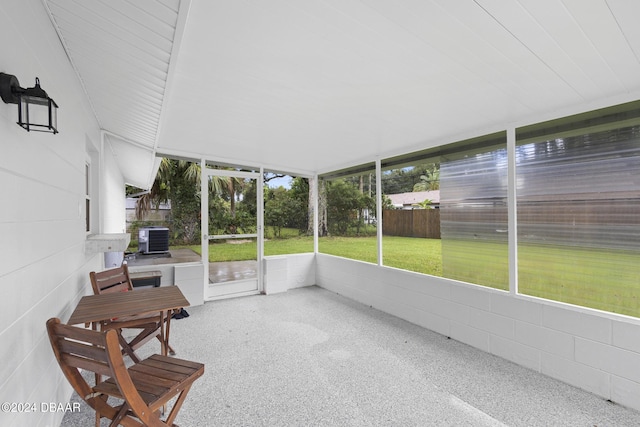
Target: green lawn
<point x="602" y="279"/>
<point x="419" y="255"/>
<point x="247" y="251"/>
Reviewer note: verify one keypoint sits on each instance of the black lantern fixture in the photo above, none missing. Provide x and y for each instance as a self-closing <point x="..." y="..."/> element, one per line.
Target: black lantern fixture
<point x="36" y="111"/>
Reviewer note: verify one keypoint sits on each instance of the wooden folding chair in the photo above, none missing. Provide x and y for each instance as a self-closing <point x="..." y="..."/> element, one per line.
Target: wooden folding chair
<point x="141" y="391"/>
<point x="118" y="280"/>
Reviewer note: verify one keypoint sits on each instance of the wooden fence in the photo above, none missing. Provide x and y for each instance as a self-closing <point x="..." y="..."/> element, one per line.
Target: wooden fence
<point x="412" y="223"/>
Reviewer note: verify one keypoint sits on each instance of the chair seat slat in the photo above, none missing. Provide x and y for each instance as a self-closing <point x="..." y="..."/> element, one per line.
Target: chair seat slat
<point x="167" y="371"/>
<point x="172" y="363"/>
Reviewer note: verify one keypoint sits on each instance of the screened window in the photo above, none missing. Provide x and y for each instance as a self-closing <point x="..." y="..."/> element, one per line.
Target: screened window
<point x="445" y="211"/>
<point x="347" y="214"/>
<point x="288" y="214"/>
<point x="411" y="214"/>
<point x="579" y="209"/>
<point x="473" y="205"/>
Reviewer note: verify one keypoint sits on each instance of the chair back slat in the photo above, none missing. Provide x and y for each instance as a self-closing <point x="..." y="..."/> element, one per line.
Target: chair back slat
<point x="91" y="365"/>
<point x="113" y="280"/>
<point x="78" y="334"/>
<point x="83" y="350"/>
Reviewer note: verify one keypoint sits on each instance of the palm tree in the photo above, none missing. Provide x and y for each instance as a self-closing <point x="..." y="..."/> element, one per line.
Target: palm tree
<point x="168" y="170"/>
<point x="430" y="181"/>
<point x="158" y="193"/>
<point x="425" y="204"/>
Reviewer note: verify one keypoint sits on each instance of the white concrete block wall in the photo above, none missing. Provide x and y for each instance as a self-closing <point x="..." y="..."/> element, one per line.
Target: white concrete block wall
<point x="301" y="270"/>
<point x="284" y="272"/>
<point x="189" y="277"/>
<point x="275" y="275"/>
<point x="596" y="351"/>
<point x="44" y="269"/>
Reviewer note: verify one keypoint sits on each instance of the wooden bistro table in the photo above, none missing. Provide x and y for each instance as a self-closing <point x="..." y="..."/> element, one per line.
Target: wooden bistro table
<point x="164" y="300"/>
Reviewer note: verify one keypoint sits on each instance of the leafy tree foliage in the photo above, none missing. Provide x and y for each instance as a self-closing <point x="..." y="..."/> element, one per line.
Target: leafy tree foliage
<point x="430" y="180"/>
<point x="411" y="178"/>
<point x="177" y="181"/>
<point x="302" y="216"/>
<point x="346" y="207"/>
<point x="280" y="209"/>
<point x="184" y="194"/>
<point x="288" y="207"/>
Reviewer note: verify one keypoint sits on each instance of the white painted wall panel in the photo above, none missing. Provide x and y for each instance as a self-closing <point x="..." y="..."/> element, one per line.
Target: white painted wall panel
<point x="114" y="218"/>
<point x="44" y="269"/>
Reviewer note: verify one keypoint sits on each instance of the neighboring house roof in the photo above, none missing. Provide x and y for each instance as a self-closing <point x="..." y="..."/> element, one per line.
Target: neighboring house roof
<point x="415" y="197"/>
<point x="131" y="204"/>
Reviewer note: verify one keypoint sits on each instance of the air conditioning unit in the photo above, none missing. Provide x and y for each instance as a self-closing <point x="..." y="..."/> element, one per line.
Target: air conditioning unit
<point x="153" y="240"/>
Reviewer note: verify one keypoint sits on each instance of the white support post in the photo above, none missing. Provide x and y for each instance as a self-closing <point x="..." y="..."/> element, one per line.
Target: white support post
<point x="260" y="226"/>
<point x="512" y="211"/>
<point x="204" y="223"/>
<point x="379" y="208"/>
<point x="316" y="214"/>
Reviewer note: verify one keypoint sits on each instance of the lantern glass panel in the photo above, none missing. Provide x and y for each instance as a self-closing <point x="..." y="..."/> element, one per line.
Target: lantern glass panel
<point x="34" y="114"/>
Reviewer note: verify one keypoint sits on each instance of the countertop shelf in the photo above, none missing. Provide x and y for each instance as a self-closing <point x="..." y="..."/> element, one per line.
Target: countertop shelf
<point x="109" y="242"/>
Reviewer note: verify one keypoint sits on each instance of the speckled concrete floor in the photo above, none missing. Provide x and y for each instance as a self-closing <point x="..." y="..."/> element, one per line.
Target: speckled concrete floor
<point x="309" y="357"/>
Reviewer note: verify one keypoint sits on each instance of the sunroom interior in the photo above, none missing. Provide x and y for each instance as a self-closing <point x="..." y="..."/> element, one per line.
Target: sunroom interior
<point x="530" y="109"/>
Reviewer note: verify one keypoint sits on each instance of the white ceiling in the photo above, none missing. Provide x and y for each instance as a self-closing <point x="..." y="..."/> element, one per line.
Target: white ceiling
<point x="307" y="86"/>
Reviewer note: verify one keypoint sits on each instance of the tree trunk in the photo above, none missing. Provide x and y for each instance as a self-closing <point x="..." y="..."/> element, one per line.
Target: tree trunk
<point x="322" y="207"/>
<point x="232" y="197"/>
<point x="323" y="228"/>
<point x="311" y="206"/>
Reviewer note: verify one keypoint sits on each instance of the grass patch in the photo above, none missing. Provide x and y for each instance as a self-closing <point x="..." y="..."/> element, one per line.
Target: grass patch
<point x="285" y="233"/>
<point x="360" y="248"/>
<point x="413" y="254"/>
<point x="477" y="261"/>
<point x="607" y="280"/>
<point x="219" y="252"/>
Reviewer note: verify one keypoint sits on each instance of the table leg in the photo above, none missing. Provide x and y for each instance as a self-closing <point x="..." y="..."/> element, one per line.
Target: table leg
<point x="169" y="316"/>
<point x="163" y="333"/>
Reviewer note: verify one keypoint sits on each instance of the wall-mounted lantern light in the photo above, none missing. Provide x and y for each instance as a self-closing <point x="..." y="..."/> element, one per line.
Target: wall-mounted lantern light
<point x="36" y="111"/>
